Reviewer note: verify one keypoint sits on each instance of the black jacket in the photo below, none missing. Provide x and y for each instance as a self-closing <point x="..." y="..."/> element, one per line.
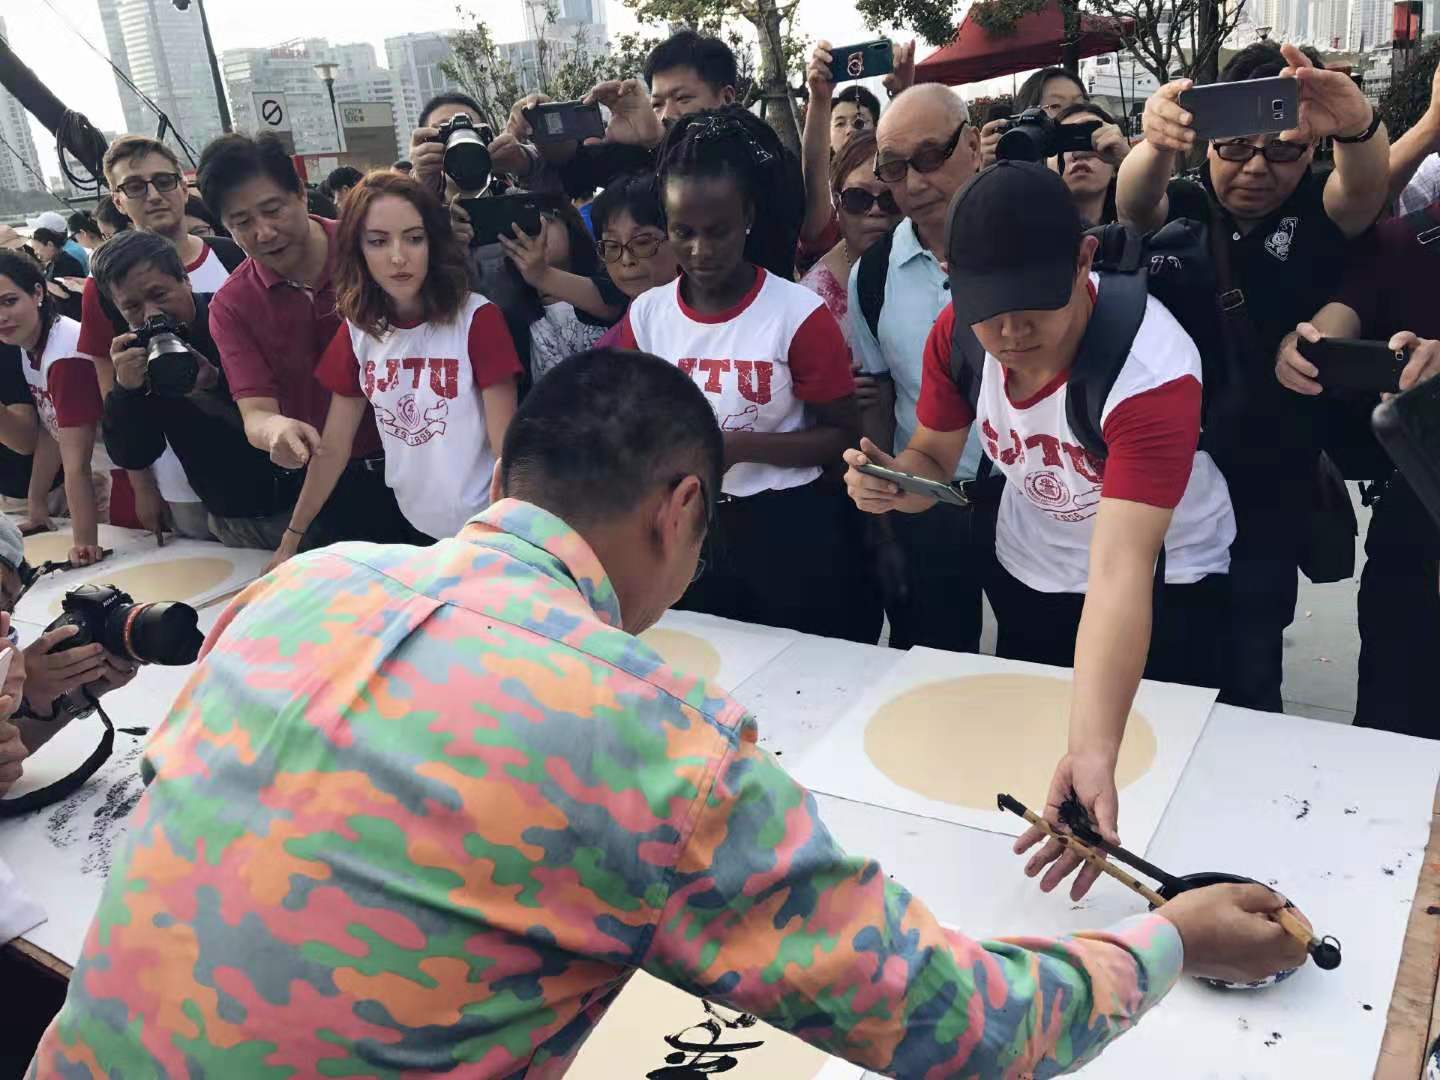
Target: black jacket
<point x="232" y="478"/>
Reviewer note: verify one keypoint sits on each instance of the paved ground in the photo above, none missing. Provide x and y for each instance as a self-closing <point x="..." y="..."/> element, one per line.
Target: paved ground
<point x="1322" y="646"/>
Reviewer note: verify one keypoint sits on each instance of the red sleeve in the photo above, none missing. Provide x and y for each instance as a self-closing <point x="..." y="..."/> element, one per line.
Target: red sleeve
<point x="1150" y="442"/>
<point x="246" y="369"/>
<point x="75" y="391"/>
<point x="339" y="369"/>
<point x="492" y="353"/>
<point x="820" y="359"/>
<point x="941" y="406"/>
<point x="624" y="334"/>
<point x="97" y="330"/>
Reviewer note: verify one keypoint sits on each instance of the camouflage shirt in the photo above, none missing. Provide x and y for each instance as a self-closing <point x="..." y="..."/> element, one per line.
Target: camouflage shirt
<point x="426" y="809"/>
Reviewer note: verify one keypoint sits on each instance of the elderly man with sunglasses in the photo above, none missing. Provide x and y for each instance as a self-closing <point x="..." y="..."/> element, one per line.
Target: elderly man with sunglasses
<point x="926" y="149"/>
<point x="1287" y="232"/>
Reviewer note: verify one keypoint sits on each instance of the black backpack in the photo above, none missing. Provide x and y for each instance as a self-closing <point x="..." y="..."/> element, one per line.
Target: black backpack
<point x="1177" y="266"/>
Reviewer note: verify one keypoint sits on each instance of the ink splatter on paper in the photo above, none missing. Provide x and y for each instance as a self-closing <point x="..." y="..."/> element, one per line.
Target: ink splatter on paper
<point x="96" y="813"/>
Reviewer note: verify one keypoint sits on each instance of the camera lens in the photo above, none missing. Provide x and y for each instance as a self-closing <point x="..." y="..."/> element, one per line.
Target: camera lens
<point x="1022" y="142"/>
<point x="171" y="368"/>
<point x="155" y="633"/>
<point x="467" y="154"/>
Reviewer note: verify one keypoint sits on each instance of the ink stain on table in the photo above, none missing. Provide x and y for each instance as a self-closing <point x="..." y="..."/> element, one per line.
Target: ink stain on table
<point x="1367" y="1008"/>
<point x="1352" y="810"/>
<point x="1244" y="1024"/>
<point x="118" y="791"/>
<point x="1388" y="871"/>
<point x="1274" y="1038"/>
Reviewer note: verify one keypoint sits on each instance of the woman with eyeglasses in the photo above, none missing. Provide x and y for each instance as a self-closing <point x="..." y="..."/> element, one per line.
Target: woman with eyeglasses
<point x="1051" y="89"/>
<point x="772" y="363"/>
<point x="866" y="210"/>
<point x="432" y="359"/>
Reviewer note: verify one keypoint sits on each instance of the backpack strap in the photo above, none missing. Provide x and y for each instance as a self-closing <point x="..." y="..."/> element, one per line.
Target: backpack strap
<point x="1119" y="311"/>
<point x="870" y="281"/>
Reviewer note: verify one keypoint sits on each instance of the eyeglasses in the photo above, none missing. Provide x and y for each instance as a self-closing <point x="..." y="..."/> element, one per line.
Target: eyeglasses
<point x="136" y="186"/>
<point x="925" y="160"/>
<point x="1277" y="152"/>
<point x="638" y="248"/>
<point x="859" y="201"/>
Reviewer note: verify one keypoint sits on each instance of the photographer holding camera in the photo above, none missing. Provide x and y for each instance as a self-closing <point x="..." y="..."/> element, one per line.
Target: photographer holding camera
<point x="1090" y="172"/>
<point x="169" y="388"/>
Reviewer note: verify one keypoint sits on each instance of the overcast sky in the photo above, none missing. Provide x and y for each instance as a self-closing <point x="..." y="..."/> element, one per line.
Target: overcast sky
<point x="84" y="82"/>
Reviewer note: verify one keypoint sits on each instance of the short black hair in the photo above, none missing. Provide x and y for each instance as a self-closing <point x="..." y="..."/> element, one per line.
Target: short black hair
<point x="195" y="207"/>
<point x="637" y="194"/>
<point x="1033" y="88"/>
<point x="862" y="98"/>
<point x="449" y="97"/>
<point x="107" y="213"/>
<point x="123" y="252"/>
<point x="320" y="204"/>
<point x="346" y="176"/>
<point x="80" y="221"/>
<point x="232" y="160"/>
<point x="49" y="236"/>
<point x="1263" y="60"/>
<point x="711" y="58"/>
<point x="641" y="420"/>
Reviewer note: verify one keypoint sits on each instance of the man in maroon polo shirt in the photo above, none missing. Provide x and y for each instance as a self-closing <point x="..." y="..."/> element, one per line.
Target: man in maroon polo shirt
<point x="272" y="321"/>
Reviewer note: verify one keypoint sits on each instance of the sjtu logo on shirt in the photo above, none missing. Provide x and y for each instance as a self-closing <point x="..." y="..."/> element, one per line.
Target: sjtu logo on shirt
<point x="753" y="376"/>
<point x="444" y="375"/>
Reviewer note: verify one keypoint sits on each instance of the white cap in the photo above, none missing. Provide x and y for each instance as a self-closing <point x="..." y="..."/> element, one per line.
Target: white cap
<point x="52" y="220"/>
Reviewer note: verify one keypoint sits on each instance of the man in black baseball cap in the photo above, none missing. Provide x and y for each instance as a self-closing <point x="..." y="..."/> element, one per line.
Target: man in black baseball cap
<point x="1085" y="527"/>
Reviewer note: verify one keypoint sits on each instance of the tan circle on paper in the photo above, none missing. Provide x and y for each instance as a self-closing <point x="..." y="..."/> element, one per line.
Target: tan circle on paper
<point x="964" y="741"/>
<point x="178" y="579"/>
<point x="684" y="652"/>
<point x="48" y="547"/>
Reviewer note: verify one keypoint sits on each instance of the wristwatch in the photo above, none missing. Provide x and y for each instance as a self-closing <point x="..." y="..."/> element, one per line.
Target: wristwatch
<point x="1367" y="134"/>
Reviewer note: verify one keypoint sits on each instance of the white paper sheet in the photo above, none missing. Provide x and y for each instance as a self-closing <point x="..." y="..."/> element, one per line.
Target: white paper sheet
<point x="19" y="913"/>
<point x="839" y="764"/>
<point x="740" y="649"/>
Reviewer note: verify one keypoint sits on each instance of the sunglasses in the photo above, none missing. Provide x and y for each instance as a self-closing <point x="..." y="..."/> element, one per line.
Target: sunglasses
<point x="859" y="201"/>
<point x="638" y="247"/>
<point x="925" y="160"/>
<point x="136" y="186"/>
<point x="1277" y="152"/>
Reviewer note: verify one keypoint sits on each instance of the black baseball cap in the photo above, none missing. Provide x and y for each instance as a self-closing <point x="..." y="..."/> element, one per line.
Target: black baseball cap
<point x="1012" y="239"/>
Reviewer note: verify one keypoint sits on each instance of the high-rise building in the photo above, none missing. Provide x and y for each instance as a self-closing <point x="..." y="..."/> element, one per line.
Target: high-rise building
<point x="289" y="68"/>
<point x="163" y="52"/>
<point x="19" y="160"/>
<point x="415" y="71"/>
<point x="567" y="20"/>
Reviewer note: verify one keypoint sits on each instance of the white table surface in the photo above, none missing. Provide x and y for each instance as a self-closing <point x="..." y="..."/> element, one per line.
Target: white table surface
<point x="1337" y="817"/>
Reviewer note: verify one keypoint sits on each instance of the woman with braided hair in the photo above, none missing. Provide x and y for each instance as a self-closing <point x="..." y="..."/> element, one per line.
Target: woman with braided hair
<point x="770" y="359"/>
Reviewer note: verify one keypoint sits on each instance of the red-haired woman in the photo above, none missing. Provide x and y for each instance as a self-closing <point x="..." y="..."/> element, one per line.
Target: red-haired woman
<point x="433" y="359"/>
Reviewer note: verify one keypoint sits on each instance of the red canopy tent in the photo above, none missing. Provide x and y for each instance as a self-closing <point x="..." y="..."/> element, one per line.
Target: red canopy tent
<point x="1037" y="41"/>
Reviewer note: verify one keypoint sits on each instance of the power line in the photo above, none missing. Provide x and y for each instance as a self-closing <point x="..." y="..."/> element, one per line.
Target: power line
<point x="44" y="186"/>
<point x="122" y="76"/>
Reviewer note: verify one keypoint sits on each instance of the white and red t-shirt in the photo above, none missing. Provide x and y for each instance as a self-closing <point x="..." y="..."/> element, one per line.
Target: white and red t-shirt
<point x="758" y="363"/>
<point x="62" y="382"/>
<point x="424" y="382"/>
<point x="1151" y="425"/>
<point x="97" y="332"/>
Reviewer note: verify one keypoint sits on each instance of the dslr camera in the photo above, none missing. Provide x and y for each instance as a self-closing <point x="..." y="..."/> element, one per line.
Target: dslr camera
<point x="171" y="369"/>
<point x="1034" y="136"/>
<point x="467" y="152"/>
<point x="146" y="633"/>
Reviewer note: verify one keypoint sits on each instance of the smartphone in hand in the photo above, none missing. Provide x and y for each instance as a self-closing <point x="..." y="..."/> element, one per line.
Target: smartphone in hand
<point x="494" y="216"/>
<point x="1367" y="367"/>
<point x="564" y="121"/>
<point x="1249" y="107"/>
<point x="917" y="485"/>
<point x="862" y="61"/>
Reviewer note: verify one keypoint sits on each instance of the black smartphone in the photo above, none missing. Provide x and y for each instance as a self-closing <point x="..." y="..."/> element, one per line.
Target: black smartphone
<point x="1408" y="427"/>
<point x="1249" y="107"/>
<point x="1070" y="138"/>
<point x="565" y="121"/>
<point x="1369" y="367"/>
<point x="494" y="216"/>
<point x="917" y="485"/>
<point x="862" y="61"/>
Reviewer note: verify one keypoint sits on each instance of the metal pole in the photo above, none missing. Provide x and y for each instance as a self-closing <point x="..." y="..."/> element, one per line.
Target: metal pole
<point x="335" y="114"/>
<point x="225" y="124"/>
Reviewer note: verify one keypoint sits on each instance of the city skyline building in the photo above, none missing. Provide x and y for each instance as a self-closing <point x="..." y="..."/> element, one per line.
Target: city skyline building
<point x="17" y="173"/>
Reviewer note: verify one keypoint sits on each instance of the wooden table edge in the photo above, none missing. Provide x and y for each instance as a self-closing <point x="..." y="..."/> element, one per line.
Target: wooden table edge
<point x="33" y="954"/>
<point x="1414" y="1017"/>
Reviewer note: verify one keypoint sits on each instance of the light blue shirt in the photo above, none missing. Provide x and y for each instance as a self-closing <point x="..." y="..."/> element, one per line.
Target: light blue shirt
<point x="74" y="248"/>
<point x="916" y="292"/>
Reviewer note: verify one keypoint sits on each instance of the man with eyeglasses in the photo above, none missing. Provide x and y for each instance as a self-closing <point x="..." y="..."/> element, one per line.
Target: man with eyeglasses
<point x="1287" y="232"/>
<point x="926" y="150"/>
<point x="148" y="188"/>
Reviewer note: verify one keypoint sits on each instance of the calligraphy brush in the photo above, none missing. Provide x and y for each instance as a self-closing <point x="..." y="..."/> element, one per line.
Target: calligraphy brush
<point x="1093" y="848"/>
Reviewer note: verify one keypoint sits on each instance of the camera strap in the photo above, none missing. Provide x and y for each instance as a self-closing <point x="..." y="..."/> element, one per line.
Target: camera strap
<point x="67" y="785"/>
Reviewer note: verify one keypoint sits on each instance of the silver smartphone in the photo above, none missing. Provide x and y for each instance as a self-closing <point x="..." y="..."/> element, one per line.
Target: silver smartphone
<point x="1250" y="107"/>
<point x="917" y="485"/>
